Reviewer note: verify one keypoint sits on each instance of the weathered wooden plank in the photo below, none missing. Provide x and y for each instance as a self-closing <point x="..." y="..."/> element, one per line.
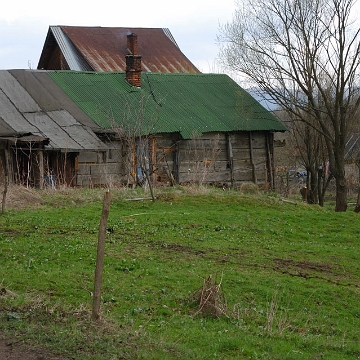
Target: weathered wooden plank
<point x="241" y="140"/>
<point x="218" y="177"/>
<point x="241" y="154"/>
<point x="200" y="156"/>
<point x="260" y="153"/>
<point x="243" y="175"/>
<point x="166" y="141"/>
<point x="258" y="140"/>
<point x="204" y="143"/>
<point x="88" y="157"/>
<point x="206" y="160"/>
<point x="96" y="180"/>
<point x="90" y="180"/>
<point x="106" y="169"/>
<point x="115" y="155"/>
<point x="84" y="169"/>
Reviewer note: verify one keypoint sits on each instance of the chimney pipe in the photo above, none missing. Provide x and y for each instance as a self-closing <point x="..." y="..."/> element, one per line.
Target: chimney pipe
<point x="133" y="61"/>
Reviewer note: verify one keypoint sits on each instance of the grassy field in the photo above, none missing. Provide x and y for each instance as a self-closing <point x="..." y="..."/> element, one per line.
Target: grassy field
<point x="287" y="276"/>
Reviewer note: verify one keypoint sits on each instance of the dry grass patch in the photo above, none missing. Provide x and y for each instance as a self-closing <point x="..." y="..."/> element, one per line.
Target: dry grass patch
<point x="20" y="197"/>
<point x="249" y="188"/>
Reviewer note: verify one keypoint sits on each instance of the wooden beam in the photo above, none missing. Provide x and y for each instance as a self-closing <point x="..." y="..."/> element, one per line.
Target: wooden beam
<point x="270" y="162"/>
<point x="230" y="158"/>
<point x="100" y="256"/>
<point x="254" y="178"/>
<point x="41" y="168"/>
<point x="176" y="162"/>
<point x="6" y="180"/>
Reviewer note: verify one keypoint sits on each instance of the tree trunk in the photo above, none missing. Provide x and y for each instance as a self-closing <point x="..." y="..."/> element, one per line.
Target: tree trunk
<point x="357" y="206"/>
<point x="312" y="198"/>
<point x="320" y="186"/>
<point x="341" y="194"/>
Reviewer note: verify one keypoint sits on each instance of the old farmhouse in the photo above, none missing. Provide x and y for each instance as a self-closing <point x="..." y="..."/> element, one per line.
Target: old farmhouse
<point x="91" y="128"/>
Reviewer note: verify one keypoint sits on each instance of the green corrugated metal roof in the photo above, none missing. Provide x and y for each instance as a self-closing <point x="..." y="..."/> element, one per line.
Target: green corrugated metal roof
<point x="190" y="104"/>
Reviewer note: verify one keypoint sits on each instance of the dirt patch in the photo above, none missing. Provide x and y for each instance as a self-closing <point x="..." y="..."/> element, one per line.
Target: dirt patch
<point x="181" y="249"/>
<point x="304" y="266"/>
<point x="13" y="349"/>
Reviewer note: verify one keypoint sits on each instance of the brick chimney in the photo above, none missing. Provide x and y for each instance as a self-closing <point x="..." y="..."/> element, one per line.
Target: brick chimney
<point x="133" y="61"/>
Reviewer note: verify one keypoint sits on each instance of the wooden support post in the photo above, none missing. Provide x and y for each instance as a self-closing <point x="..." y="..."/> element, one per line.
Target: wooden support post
<point x="176" y="162"/>
<point x="100" y="256"/>
<point x="153" y="164"/>
<point x="269" y="151"/>
<point x="6" y="179"/>
<point x="231" y="159"/>
<point x="266" y="185"/>
<point x="252" y="159"/>
<point x="41" y="169"/>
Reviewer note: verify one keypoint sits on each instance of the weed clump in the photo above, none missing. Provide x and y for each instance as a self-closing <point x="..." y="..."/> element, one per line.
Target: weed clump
<point x="210" y="298"/>
<point x="249" y="188"/>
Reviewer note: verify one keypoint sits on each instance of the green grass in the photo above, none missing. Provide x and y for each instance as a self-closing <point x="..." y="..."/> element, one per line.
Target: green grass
<point x="290" y="276"/>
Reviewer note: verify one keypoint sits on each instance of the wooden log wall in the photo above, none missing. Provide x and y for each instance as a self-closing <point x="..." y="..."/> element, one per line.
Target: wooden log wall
<point x="165" y="168"/>
<point x="204" y="160"/>
<point x="231" y="159"/>
<point x="214" y="158"/>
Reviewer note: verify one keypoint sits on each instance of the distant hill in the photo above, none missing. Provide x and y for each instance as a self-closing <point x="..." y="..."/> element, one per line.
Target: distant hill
<point x="264" y="99"/>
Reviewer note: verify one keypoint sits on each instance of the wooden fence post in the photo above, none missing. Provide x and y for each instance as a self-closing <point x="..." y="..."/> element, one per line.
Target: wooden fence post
<point x="100" y="256"/>
<point x="6" y="180"/>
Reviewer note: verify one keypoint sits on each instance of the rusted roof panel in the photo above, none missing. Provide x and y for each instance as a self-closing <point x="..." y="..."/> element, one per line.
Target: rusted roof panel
<point x="104" y="49"/>
<point x="72" y="56"/>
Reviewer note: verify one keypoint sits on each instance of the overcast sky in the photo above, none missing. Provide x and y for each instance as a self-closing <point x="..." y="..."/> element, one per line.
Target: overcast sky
<point x="193" y="23"/>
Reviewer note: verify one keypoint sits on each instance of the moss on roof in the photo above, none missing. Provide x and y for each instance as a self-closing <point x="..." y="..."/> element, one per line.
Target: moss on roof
<point x="190" y="104"/>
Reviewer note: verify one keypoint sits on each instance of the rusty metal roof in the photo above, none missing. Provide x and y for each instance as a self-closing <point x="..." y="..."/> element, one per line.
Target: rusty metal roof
<point x="32" y="105"/>
<point x="103" y="49"/>
<point x="74" y="59"/>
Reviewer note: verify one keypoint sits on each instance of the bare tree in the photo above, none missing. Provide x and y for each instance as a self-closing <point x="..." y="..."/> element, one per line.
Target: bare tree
<point x="135" y="132"/>
<point x="305" y="55"/>
<point x="312" y="151"/>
